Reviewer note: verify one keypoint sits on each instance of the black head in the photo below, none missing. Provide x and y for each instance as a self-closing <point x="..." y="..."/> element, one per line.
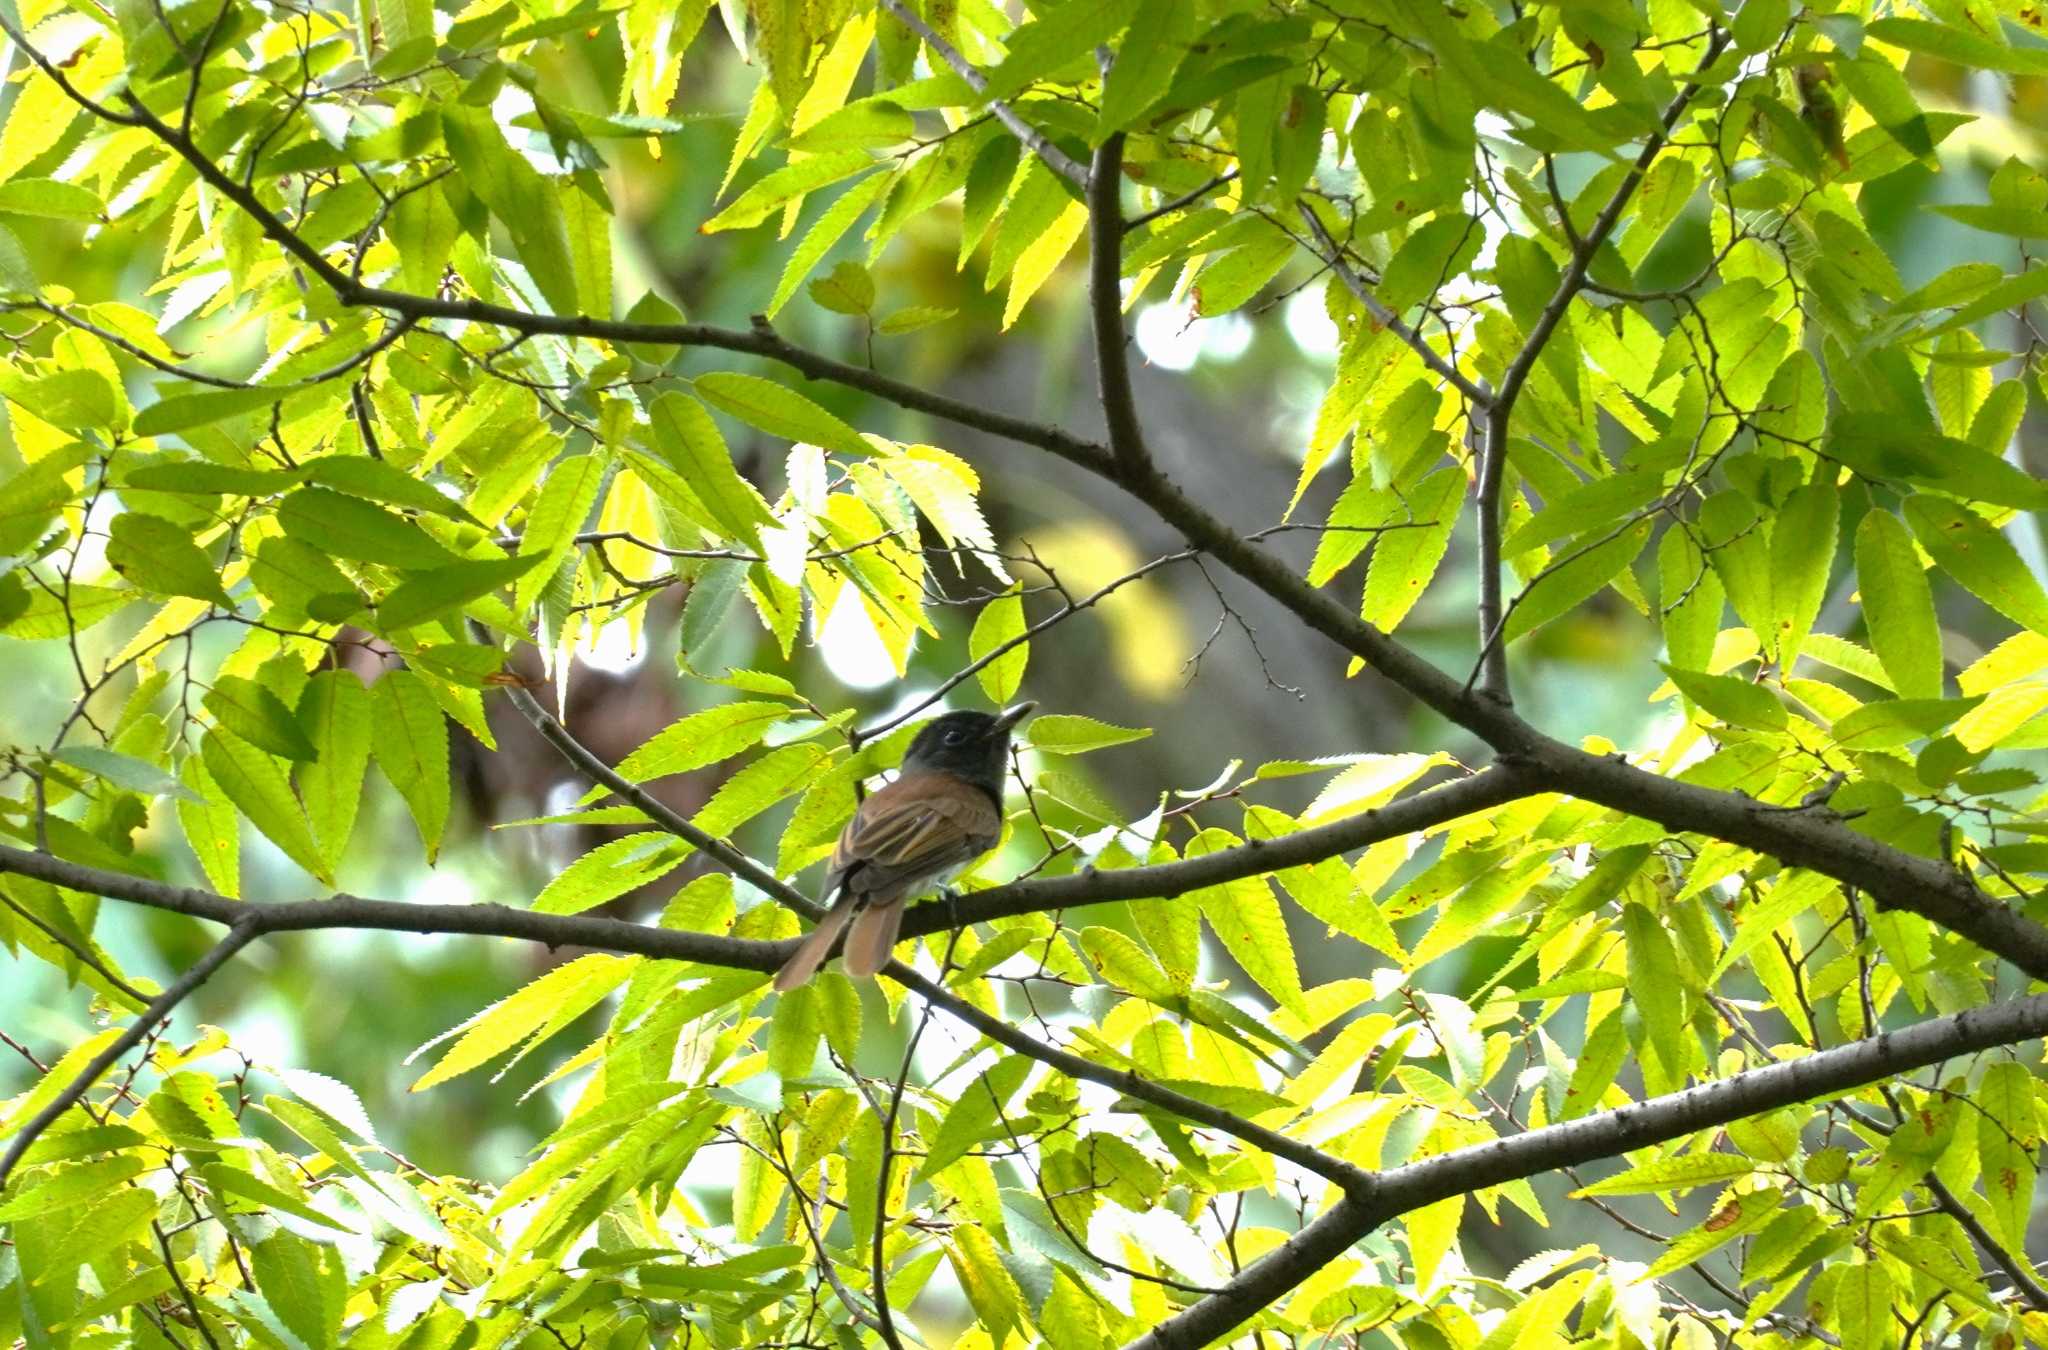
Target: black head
<point x="972" y="745"/>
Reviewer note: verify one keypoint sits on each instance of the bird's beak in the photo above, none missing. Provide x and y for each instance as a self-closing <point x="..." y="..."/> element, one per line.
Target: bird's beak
<point x="1010" y="717"/>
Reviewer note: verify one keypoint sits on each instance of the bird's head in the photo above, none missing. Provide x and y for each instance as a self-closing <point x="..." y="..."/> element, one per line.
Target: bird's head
<point x="971" y="745"/>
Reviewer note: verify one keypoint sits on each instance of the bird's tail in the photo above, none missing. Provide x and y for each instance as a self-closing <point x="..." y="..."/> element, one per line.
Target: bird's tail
<point x="811" y="953"/>
<point x="873" y="937"/>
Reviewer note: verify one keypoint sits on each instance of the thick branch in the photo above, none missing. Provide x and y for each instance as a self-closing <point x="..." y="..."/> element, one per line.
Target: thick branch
<point x="1482" y="791"/>
<point x="160" y="1007"/>
<point x="399" y="916"/>
<point x="1106" y="307"/>
<point x="1590" y="1139"/>
<point x="1030" y="137"/>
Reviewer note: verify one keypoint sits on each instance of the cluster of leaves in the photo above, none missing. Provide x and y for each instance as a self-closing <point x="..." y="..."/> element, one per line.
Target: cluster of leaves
<point x="457" y="443"/>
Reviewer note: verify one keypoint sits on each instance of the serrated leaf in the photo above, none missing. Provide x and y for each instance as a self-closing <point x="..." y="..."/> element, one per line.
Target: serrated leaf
<point x="1246" y="915"/>
<point x="1001" y="620"/>
<point x="1802" y="556"/>
<point x="161" y="558"/>
<point x="334" y="713"/>
<point x="610" y="870"/>
<point x="258" y="716"/>
<point x="703" y="738"/>
<point x="411" y="748"/>
<point x="349" y="527"/>
<point x="779" y="411"/>
<point x="252" y="780"/>
<point x="1066" y="734"/>
<point x="444" y="591"/>
<point x="125" y="771"/>
<point x="1403" y="561"/>
<point x="1898" y="606"/>
<point x="559" y="512"/>
<point x="556" y="997"/>
<point x="688" y="439"/>
<point x="1737" y="702"/>
<point x="1965" y="546"/>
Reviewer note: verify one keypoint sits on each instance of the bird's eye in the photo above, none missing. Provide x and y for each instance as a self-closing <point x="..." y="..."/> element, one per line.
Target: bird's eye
<point x="956" y="737"/>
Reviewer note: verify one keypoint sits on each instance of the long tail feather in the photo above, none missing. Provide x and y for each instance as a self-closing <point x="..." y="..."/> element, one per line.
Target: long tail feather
<point x="873" y="937"/>
<point x="804" y="962"/>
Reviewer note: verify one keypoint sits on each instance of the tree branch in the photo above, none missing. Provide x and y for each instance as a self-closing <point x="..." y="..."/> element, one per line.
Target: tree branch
<point x="1106" y="308"/>
<point x="1590" y="1139"/>
<point x="160" y="1008"/>
<point x="1332" y="252"/>
<point x="1030" y="137"/>
<point x="1493" y="655"/>
<point x="1465" y="796"/>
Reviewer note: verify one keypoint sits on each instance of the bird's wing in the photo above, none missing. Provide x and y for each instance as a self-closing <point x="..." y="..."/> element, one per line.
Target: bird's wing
<point x="912" y="829"/>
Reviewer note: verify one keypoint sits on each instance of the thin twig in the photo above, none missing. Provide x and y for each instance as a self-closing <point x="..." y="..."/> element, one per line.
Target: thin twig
<point x="159" y="1008"/>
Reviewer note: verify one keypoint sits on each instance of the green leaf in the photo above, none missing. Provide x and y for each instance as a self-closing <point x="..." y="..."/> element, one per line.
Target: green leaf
<point x="1599" y="1060"/>
<point x="1573" y="579"/>
<point x="869" y="124"/>
<point x="779" y="411"/>
<point x="787" y="184"/>
<point x="2008" y="1143"/>
<point x="1246" y="915"/>
<point x="1658" y="992"/>
<point x="1863" y="1307"/>
<point x="334" y="713"/>
<point x="556" y="998"/>
<point x="1898" y="606"/>
<point x="1737" y="702"/>
<point x="1058" y="37"/>
<point x="161" y="558"/>
<point x="610" y="870"/>
<point x="1433" y="254"/>
<point x="258" y="716"/>
<point x="125" y="771"/>
<point x="837" y="219"/>
<point x="50" y="198"/>
<point x="349" y="527"/>
<point x="558" y="513"/>
<point x="211" y="827"/>
<point x="685" y="435"/>
<point x="848" y="289"/>
<point x="1883" y="91"/>
<point x="1145" y="63"/>
<point x="1957" y="45"/>
<point x="1001" y="620"/>
<point x="291" y="574"/>
<point x="760" y="785"/>
<point x="1802" y="555"/>
<point x="974" y="1114"/>
<point x="411" y="747"/>
<point x="443" y="591"/>
<point x="1231" y="279"/>
<point x="1073" y="735"/>
<point x="1736" y="1217"/>
<point x="1968" y="549"/>
<point x="1661" y="1176"/>
<point x="256" y="785"/>
<point x="526" y="203"/>
<point x="703" y="738"/>
<point x="361" y="476"/>
<point x="182" y="412"/>
<point x="1403" y="561"/>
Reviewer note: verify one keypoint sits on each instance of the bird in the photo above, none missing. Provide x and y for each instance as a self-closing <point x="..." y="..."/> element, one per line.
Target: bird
<point x="944" y="810"/>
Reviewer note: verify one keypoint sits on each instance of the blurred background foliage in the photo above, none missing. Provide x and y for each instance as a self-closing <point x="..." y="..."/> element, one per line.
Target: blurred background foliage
<point x="1228" y="402"/>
